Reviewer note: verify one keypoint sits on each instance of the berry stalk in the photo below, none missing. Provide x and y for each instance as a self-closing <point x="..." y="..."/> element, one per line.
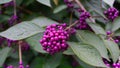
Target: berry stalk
<point x="20" y="52"/>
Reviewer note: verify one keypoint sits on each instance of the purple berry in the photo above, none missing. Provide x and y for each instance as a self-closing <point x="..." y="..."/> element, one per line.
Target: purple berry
<point x="108" y="32"/>
<point x="82" y="20"/>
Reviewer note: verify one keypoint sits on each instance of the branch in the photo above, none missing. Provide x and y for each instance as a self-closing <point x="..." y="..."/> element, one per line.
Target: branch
<point x="82" y="7"/>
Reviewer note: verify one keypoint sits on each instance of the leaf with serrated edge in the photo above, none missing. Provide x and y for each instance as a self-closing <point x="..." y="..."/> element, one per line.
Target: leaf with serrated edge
<point x="87" y="53"/>
<point x="21" y="31"/>
<point x="92" y="39"/>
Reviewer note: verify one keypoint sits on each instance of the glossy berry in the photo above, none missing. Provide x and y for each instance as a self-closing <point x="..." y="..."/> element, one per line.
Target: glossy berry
<point x="68" y="3"/>
<point x="82" y="20"/>
<point x="111" y="13"/>
<point x="108" y="32"/>
<point x="54" y="38"/>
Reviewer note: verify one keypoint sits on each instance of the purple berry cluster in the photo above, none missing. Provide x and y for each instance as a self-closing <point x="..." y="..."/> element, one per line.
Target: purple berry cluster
<point x="54" y="38"/>
<point x="20" y="66"/>
<point x="111" y="13"/>
<point x="116" y="65"/>
<point x="82" y="20"/>
<point x="109" y="34"/>
<point x="68" y="3"/>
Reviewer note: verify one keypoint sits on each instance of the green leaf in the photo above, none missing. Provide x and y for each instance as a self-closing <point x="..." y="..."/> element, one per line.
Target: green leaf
<point x="83" y="64"/>
<point x="108" y="26"/>
<point x="43" y="21"/>
<point x="54" y="61"/>
<point x="21" y="31"/>
<point x="3" y="55"/>
<point x="4" y="1"/>
<point x="59" y="8"/>
<point x="69" y="51"/>
<point x="94" y="40"/>
<point x="117" y="33"/>
<point x="37" y="62"/>
<point x="113" y="49"/>
<point x="45" y="2"/>
<point x="116" y="24"/>
<point x="97" y="28"/>
<point x="35" y="44"/>
<point x="87" y="53"/>
<point x="27" y="28"/>
<point x="110" y="3"/>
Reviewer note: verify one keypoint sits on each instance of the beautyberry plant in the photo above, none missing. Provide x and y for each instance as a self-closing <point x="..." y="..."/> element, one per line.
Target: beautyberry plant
<point x="59" y="34"/>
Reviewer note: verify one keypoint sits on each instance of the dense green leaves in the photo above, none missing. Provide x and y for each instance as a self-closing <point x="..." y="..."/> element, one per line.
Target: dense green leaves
<point x="116" y="24"/>
<point x="45" y="2"/>
<point x="87" y="53"/>
<point x="110" y="3"/>
<point x="92" y="39"/>
<point x="3" y="55"/>
<point x="113" y="48"/>
<point x="4" y="1"/>
<point x="53" y="62"/>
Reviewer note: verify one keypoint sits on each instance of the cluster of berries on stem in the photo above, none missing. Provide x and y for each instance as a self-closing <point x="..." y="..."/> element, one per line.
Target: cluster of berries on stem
<point x="111" y="13"/>
<point x="55" y="38"/>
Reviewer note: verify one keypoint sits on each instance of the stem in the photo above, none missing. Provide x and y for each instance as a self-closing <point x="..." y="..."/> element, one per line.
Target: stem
<point x="71" y="18"/>
<point x="72" y="25"/>
<point x="20" y="52"/>
<point x="15" y="10"/>
<point x="82" y="7"/>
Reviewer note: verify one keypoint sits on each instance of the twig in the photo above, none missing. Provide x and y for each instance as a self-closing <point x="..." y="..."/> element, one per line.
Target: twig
<point x="72" y="24"/>
<point x="82" y="7"/>
<point x="70" y="19"/>
<point x="20" y="52"/>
